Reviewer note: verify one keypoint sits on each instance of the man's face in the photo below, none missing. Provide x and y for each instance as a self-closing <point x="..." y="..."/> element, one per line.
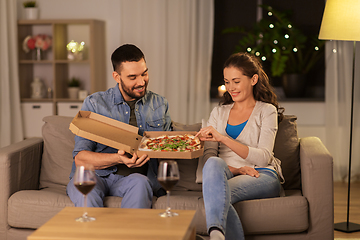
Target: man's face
<point x="133" y="79"/>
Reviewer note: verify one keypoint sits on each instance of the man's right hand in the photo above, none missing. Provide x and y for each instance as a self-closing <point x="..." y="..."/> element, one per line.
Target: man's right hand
<point x="133" y="161"/>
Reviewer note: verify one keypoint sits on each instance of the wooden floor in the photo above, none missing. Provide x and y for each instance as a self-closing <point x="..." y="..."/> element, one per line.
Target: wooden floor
<point x="340" y="207"/>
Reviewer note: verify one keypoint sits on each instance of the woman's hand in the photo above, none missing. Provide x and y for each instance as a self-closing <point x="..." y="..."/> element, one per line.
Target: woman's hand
<point x="210" y="134"/>
<point x="244" y="171"/>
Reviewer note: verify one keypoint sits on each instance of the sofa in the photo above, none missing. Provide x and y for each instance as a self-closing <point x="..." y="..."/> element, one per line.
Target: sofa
<point x="34" y="174"/>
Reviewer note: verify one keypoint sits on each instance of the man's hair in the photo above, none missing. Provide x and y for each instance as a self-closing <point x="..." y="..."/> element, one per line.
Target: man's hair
<point x="126" y="53"/>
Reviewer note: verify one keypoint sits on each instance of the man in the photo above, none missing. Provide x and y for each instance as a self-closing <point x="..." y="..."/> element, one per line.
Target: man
<point x="118" y="173"/>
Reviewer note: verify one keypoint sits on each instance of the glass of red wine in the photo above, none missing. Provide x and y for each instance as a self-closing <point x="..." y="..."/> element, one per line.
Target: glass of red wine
<point x="168" y="176"/>
<point x="84" y="181"/>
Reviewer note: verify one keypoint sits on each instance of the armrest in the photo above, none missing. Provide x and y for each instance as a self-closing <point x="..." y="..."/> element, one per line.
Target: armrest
<point x="317" y="186"/>
<point x="20" y="166"/>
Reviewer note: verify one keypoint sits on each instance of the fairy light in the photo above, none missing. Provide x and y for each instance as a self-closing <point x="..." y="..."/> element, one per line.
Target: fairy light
<point x="270" y="14"/>
<point x="286" y="36"/>
<point x="289" y="25"/>
<point x="274" y="50"/>
<point x="276" y="41"/>
<point x="295" y="49"/>
<point x="317" y="48"/>
<point x="271" y="25"/>
<point x="263" y="58"/>
<point x="248" y="49"/>
<point x="257" y="54"/>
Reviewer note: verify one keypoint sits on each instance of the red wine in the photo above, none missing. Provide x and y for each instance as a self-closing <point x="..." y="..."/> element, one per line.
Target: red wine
<point x="85" y="187"/>
<point x="168" y="183"/>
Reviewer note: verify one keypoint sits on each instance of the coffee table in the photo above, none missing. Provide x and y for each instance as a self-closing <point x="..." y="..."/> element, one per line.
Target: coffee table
<point x="117" y="223"/>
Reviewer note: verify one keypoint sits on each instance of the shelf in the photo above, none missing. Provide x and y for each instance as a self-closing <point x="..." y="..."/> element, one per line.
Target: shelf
<point x="39" y="100"/>
<point x="35" y="61"/>
<point x="68" y="100"/>
<point x="56" y="70"/>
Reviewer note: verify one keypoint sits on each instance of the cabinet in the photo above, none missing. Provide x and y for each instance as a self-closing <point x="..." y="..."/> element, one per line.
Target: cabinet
<point x="54" y="69"/>
<point x="33" y="113"/>
<point x="68" y="109"/>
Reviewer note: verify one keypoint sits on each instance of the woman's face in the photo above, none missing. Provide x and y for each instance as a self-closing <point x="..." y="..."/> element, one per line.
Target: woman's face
<point x="238" y="85"/>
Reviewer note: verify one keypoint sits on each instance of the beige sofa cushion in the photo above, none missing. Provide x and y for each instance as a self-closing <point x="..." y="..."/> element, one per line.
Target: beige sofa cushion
<point x="58" y="146"/>
<point x="264" y="216"/>
<point x="33" y="208"/>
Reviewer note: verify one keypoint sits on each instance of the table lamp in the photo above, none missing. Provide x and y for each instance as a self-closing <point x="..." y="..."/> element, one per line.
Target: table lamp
<point x="341" y="21"/>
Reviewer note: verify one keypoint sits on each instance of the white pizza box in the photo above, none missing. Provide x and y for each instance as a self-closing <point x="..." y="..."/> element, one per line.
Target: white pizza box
<point x="119" y="135"/>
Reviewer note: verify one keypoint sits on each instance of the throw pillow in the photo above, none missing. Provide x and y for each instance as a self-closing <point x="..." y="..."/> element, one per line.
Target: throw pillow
<point x="287" y="149"/>
<point x="57" y="156"/>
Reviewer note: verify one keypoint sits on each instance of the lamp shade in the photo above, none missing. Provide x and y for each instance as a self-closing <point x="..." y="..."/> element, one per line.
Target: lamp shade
<point x="341" y="20"/>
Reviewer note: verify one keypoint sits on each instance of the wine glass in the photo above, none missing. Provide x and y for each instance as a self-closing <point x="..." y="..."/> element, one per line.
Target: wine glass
<point x="84" y="181"/>
<point x="168" y="176"/>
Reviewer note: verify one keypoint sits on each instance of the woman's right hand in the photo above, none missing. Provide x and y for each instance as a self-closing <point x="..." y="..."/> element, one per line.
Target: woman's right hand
<point x="210" y="134"/>
<point x="244" y="171"/>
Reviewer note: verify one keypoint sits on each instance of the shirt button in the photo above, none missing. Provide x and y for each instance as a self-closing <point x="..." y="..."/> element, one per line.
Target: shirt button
<point x="140" y="125"/>
<point x="126" y="112"/>
<point x="158" y="124"/>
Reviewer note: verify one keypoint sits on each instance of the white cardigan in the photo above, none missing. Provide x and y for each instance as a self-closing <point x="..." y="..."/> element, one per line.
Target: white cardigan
<point x="258" y="134"/>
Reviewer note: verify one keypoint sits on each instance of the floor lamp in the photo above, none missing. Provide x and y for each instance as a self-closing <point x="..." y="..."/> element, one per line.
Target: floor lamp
<point x="341" y="21"/>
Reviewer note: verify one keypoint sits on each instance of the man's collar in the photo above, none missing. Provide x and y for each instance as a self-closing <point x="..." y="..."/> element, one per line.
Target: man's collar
<point x="119" y="99"/>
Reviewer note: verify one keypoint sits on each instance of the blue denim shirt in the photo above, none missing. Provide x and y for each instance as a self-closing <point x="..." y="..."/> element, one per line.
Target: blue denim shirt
<point x="151" y="111"/>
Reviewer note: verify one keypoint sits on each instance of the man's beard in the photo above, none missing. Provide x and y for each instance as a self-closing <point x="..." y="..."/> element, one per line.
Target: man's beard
<point x="131" y="93"/>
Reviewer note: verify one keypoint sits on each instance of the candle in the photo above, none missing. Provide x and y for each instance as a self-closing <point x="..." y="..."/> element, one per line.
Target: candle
<point x="221" y="90"/>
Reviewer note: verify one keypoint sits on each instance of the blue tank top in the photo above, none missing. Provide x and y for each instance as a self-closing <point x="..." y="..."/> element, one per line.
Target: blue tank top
<point x="234" y="131"/>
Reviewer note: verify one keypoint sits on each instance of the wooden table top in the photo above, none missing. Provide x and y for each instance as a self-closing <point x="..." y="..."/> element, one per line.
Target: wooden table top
<point x="117" y="223"/>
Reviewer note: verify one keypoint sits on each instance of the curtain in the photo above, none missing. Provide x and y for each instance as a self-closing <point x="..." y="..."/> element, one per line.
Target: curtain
<point x="10" y="114"/>
<point x="339" y="62"/>
<point x="176" y="38"/>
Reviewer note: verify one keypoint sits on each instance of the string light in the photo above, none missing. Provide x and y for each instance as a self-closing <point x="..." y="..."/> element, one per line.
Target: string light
<point x="317" y="48"/>
<point x="270" y="14"/>
<point x="248" y="49"/>
<point x="286" y="36"/>
<point x="289" y="25"/>
<point x="334" y="50"/>
<point x="274" y="50"/>
<point x="263" y="58"/>
<point x="271" y="25"/>
<point x="276" y="41"/>
<point x="295" y="49"/>
<point x="257" y="54"/>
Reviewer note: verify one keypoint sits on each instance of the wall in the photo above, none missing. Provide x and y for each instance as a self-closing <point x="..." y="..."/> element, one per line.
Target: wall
<point x="311" y="120"/>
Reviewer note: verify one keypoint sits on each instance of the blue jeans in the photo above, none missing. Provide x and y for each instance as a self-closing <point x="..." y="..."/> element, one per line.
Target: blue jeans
<point x="221" y="189"/>
<point x="135" y="190"/>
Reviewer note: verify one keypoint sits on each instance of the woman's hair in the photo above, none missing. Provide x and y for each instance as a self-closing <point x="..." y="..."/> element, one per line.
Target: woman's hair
<point x="262" y="90"/>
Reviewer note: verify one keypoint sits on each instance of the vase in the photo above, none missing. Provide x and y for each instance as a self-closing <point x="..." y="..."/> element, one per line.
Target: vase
<point x="73" y="92"/>
<point x="38" y="54"/>
<point x="31" y="13"/>
<point x="294" y="85"/>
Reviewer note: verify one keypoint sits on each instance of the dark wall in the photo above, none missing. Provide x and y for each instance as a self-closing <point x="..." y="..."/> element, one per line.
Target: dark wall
<point x="306" y="14"/>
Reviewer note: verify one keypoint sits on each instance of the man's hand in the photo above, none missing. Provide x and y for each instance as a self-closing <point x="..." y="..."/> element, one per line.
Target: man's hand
<point x="244" y="171"/>
<point x="132" y="161"/>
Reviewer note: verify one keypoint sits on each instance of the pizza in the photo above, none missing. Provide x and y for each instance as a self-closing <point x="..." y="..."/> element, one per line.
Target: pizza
<point x="177" y="143"/>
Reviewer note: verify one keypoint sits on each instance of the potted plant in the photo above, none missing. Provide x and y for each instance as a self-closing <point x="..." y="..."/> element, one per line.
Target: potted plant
<point x="287" y="50"/>
<point x="73" y="87"/>
<point x="31" y="11"/>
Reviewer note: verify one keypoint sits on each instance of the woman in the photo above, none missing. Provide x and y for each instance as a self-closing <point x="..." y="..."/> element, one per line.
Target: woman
<point x="239" y="146"/>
